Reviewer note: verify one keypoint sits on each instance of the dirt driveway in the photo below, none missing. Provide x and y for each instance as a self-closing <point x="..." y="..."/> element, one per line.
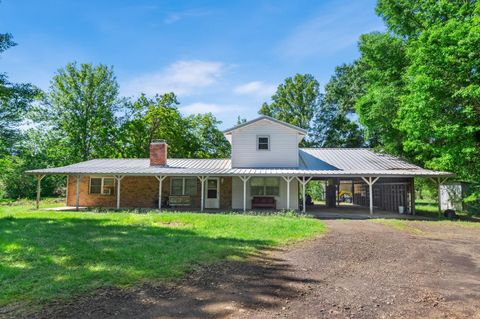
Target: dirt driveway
<point x="359" y="269"/>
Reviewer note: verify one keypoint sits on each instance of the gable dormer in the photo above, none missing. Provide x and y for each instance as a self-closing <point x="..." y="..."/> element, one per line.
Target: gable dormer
<point x="265" y="142"/>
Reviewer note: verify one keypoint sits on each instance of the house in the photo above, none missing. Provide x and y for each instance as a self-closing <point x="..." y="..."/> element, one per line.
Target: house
<point x="267" y="169"/>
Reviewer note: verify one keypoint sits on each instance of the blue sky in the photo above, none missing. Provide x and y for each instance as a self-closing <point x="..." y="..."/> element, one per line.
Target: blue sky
<point x="224" y="57"/>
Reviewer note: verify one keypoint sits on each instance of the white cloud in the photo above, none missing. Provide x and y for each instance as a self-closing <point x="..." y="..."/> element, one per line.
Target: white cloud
<point x="181" y="77"/>
<point x="257" y="88"/>
<point x="200" y="107"/>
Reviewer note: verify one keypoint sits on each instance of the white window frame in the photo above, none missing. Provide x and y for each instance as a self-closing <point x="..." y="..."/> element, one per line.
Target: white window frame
<point x="258" y="142"/>
<point x="265" y="186"/>
<point x="102" y="178"/>
<point x="183" y="186"/>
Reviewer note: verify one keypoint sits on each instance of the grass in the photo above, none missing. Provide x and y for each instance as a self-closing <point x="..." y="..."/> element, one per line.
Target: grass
<point x="51" y="255"/>
<point x="412" y="226"/>
<point x="426" y="207"/>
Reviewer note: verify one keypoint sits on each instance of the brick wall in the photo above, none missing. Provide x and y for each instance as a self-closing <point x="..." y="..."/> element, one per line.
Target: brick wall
<point x="86" y="199"/>
<point x="226" y="193"/>
<point x="139" y="191"/>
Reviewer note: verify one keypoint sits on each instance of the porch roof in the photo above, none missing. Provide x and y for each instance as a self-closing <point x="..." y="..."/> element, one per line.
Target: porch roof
<point x="328" y="162"/>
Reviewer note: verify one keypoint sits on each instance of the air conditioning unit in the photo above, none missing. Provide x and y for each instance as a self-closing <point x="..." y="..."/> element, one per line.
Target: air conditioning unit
<point x="107" y="191"/>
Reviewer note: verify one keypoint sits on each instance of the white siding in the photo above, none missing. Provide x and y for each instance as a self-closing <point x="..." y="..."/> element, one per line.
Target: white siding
<point x="237" y="194"/>
<point x="283" y="150"/>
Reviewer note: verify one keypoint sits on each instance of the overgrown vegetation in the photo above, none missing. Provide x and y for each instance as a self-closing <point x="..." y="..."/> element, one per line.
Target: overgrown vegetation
<point x="46" y="255"/>
<point x="414" y="91"/>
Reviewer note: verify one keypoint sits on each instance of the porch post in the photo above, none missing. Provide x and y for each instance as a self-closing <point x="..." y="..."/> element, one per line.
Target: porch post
<point x="39" y="179"/>
<point x="412" y="196"/>
<point x="160" y="179"/>
<point x="288" y="179"/>
<point x="304" y="185"/>
<point x="77" y="191"/>
<point x="202" y="195"/>
<point x="245" y="180"/>
<point x="118" y="178"/>
<point x="370" y="183"/>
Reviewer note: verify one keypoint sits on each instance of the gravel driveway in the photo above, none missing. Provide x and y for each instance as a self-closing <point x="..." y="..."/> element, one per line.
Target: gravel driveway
<point x="359" y="269"/>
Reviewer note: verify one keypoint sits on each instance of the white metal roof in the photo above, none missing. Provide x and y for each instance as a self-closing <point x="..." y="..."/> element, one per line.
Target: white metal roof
<point x="326" y="162"/>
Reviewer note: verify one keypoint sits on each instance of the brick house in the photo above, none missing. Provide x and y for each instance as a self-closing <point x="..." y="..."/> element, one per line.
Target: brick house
<point x="267" y="169"/>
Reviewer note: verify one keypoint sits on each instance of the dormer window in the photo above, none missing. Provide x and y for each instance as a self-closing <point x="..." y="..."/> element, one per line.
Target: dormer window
<point x="263" y="143"/>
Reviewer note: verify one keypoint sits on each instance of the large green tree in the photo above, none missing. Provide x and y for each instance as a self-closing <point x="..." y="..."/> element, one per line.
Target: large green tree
<point x="295" y="101"/>
<point x="211" y="142"/>
<point x="381" y="66"/>
<point x="155" y="118"/>
<point x="148" y="119"/>
<point x="81" y="107"/>
<point x="439" y="114"/>
<point x="335" y="123"/>
<point x="15" y="102"/>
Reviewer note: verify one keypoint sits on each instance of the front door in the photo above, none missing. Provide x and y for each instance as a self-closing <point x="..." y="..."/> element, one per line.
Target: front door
<point x="212" y="193"/>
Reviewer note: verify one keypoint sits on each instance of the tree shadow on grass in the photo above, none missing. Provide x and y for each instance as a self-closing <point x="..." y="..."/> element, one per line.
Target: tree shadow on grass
<point x="45" y="259"/>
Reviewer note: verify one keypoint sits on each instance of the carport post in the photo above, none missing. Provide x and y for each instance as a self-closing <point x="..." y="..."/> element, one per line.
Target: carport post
<point x="202" y="195"/>
<point x="245" y="180"/>
<point x="304" y="184"/>
<point x="118" y="178"/>
<point x="288" y="179"/>
<point x="370" y="183"/>
<point x="160" y="181"/>
<point x="39" y="179"/>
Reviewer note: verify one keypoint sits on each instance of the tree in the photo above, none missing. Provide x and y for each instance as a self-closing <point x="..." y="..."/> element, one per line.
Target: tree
<point x="81" y="106"/>
<point x="335" y="122"/>
<point x="295" y="101"/>
<point x="38" y="148"/>
<point x="15" y="102"/>
<point x="241" y="120"/>
<point x="156" y="118"/>
<point x="382" y="65"/>
<point x="440" y="115"/>
<point x="421" y="88"/>
<point x="211" y="142"/>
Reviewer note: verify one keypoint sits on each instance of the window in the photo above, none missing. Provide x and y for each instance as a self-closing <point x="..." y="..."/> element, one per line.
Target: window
<point x="176" y="187"/>
<point x="102" y="185"/>
<point x="190" y="186"/>
<point x="269" y="186"/>
<point x="183" y="186"/>
<point x="263" y="143"/>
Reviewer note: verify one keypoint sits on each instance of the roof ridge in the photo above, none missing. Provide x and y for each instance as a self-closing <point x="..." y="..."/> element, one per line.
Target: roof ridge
<point x="263" y="117"/>
<point x="146" y="158"/>
<point x="336" y="148"/>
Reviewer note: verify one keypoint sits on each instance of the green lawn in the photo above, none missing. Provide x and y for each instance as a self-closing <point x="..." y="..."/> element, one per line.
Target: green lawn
<point x="426" y="207"/>
<point x="49" y="255"/>
<point x="413" y="225"/>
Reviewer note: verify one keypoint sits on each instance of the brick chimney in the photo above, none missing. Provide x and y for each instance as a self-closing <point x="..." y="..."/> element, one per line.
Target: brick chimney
<point x="158" y="152"/>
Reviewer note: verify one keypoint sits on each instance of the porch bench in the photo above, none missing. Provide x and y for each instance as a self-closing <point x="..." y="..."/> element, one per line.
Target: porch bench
<point x="179" y="200"/>
<point x="264" y="202"/>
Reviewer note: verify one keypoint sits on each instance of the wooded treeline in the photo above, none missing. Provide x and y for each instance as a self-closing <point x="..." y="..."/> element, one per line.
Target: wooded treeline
<point x="413" y="92"/>
<point x="82" y="117"/>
